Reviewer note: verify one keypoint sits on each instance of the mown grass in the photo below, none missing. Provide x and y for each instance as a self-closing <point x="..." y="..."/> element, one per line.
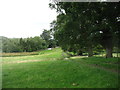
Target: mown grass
<point x="52" y="71"/>
<point x="111" y="63"/>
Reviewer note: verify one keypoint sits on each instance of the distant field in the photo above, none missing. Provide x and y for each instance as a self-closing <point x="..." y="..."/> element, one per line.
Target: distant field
<point x="48" y="69"/>
<point x="18" y="54"/>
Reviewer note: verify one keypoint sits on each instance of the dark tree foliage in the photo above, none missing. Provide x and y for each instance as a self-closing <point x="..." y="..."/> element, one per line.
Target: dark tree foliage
<point x="47" y="35"/>
<point x="87" y="25"/>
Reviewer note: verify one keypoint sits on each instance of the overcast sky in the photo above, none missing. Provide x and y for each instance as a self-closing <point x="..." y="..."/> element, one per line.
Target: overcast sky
<point x="25" y="18"/>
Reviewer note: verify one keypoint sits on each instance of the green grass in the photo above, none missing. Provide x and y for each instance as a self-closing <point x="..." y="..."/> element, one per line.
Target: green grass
<point x="48" y="69"/>
<point x="110" y="63"/>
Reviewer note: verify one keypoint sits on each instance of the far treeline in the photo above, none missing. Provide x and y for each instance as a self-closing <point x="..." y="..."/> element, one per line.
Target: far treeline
<point x="31" y="44"/>
<point x="84" y="27"/>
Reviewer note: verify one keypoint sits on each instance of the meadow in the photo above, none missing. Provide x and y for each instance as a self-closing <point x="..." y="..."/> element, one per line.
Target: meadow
<point x="50" y="69"/>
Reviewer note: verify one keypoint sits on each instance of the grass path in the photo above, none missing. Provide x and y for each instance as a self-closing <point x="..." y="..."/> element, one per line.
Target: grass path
<point x="116" y="71"/>
<point x="106" y="69"/>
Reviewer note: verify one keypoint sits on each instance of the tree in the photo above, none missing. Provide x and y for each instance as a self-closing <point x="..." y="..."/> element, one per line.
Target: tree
<point x="89" y="23"/>
<point x="46" y="35"/>
<point x="33" y="44"/>
<point x="68" y="35"/>
<point x="10" y="45"/>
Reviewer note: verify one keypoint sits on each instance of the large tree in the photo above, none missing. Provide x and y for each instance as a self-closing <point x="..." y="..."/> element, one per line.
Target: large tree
<point x="88" y="23"/>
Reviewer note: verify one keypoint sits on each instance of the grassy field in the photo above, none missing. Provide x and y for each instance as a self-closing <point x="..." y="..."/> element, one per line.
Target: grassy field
<point x="48" y="69"/>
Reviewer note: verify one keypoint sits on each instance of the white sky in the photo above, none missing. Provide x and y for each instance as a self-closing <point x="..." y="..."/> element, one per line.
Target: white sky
<point x="25" y="18"/>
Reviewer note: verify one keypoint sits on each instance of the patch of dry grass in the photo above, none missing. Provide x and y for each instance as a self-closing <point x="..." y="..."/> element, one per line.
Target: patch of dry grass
<point x="18" y="54"/>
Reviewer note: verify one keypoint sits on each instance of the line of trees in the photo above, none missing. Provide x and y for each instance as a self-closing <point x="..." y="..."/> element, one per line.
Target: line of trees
<point x="81" y="27"/>
<point x="31" y="44"/>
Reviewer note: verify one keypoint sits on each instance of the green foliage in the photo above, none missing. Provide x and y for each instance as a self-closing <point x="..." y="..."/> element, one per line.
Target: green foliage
<point x="33" y="44"/>
<point x="98" y="49"/>
<point x="30" y="44"/>
<point x="23" y="45"/>
<point x="87" y="25"/>
<point x="10" y="45"/>
<point x="47" y="35"/>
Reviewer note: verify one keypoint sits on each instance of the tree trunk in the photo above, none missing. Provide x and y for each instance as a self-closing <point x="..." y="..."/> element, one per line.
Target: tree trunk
<point x="109" y="52"/>
<point x="107" y="42"/>
<point x="90" y="52"/>
<point x="80" y="53"/>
